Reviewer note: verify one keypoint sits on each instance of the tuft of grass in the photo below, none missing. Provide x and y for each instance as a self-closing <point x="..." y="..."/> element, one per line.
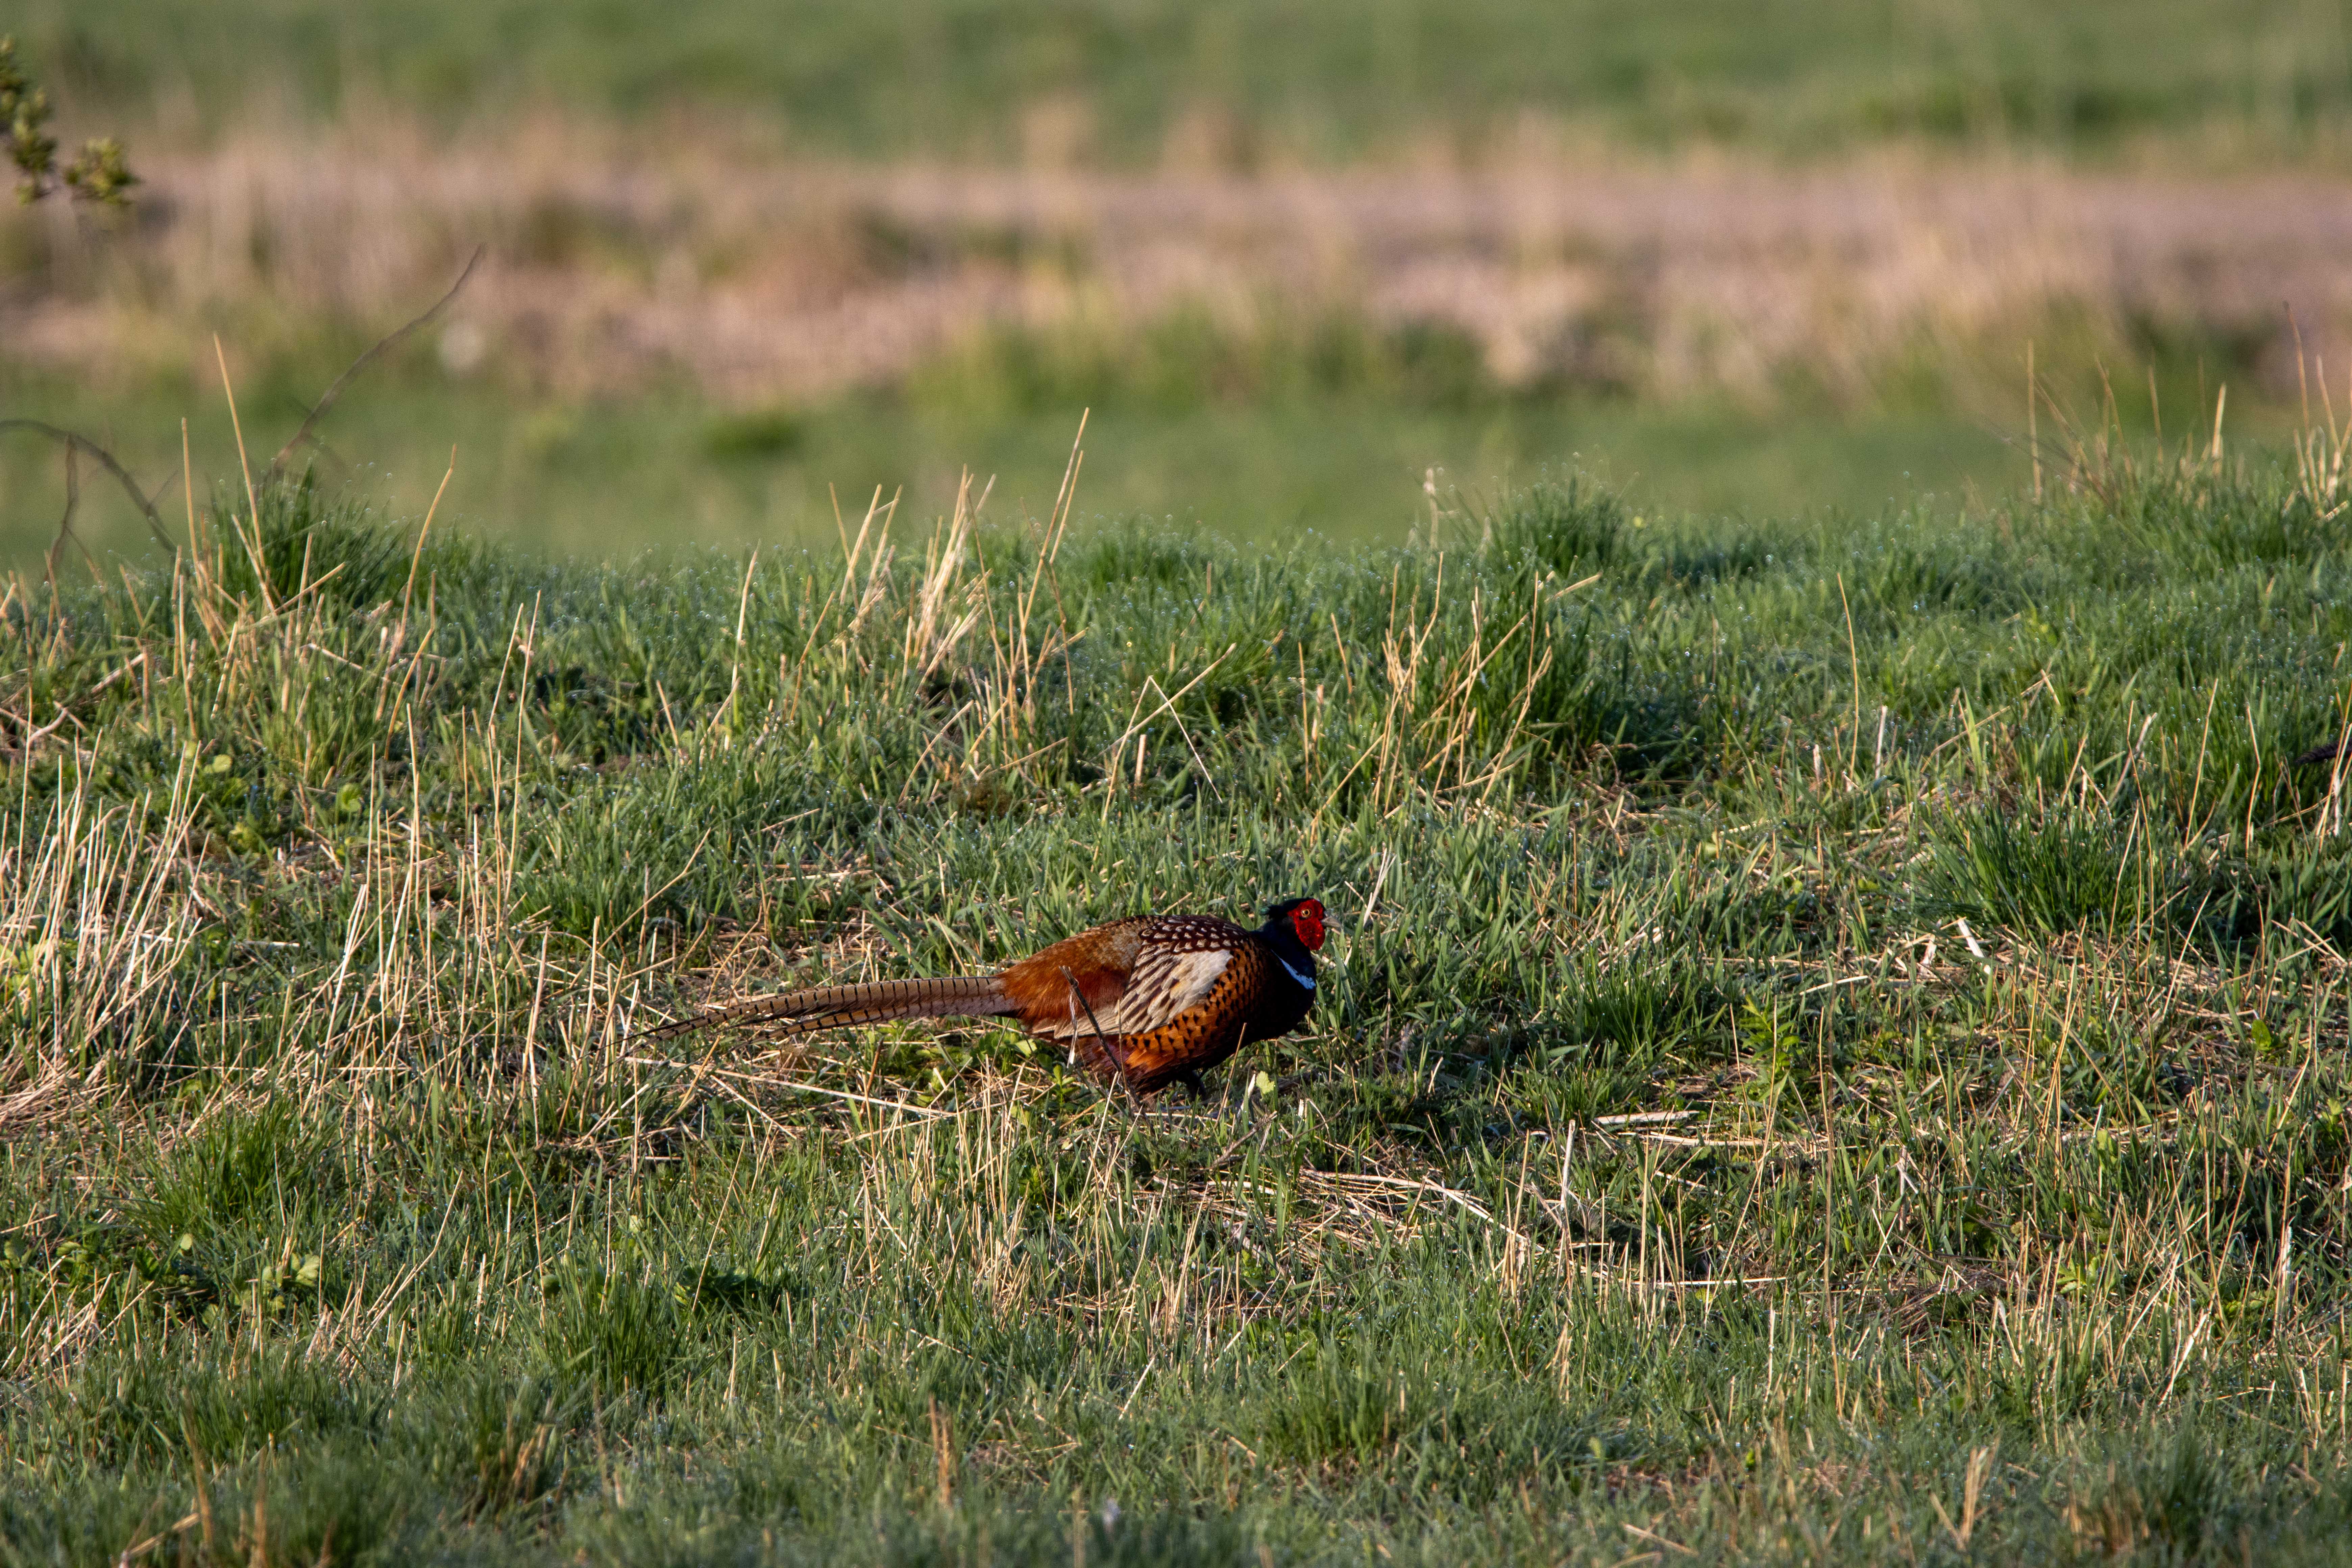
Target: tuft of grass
<point x="1350" y="1404"/>
<point x="616" y="1333"/>
<point x="2066" y="871"/>
<point x="1568" y="528"/>
<point x="240" y="1170"/>
<point x="2170" y="1502"/>
<point x="761" y="433"/>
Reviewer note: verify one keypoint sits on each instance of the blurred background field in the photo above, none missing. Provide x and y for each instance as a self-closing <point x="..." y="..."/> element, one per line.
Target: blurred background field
<point x="1275" y="80"/>
<point x="1298" y="260"/>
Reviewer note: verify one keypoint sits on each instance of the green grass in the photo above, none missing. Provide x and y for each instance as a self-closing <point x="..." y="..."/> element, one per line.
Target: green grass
<point x="596" y="479"/>
<point x="1279" y="79"/>
<point x="1668" y="1162"/>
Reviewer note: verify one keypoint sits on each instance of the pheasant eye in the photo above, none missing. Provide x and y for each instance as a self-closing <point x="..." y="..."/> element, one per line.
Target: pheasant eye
<point x="1307" y="919"/>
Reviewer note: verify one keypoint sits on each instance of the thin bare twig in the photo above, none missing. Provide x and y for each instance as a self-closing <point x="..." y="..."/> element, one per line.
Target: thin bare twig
<point x="79" y="443"/>
<point x="65" y="523"/>
<point x="278" y="463"/>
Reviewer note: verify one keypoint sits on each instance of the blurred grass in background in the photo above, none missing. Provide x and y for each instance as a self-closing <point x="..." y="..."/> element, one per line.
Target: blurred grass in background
<point x="1242" y="81"/>
<point x="612" y="477"/>
<point x="1739" y="260"/>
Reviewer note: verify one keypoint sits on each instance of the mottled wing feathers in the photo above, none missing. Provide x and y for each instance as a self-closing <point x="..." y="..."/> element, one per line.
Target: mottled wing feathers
<point x="1106" y="979"/>
<point x="1164" y="984"/>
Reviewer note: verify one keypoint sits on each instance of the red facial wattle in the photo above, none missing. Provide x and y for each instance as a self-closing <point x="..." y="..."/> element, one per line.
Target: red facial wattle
<point x="1307" y="919"/>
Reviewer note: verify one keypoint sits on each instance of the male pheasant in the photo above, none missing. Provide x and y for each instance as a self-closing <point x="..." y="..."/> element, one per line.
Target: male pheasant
<point x="1148" y="1000"/>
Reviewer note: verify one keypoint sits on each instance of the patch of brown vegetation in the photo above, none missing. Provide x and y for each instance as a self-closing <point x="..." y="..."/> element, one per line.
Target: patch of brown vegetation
<point x="614" y="267"/>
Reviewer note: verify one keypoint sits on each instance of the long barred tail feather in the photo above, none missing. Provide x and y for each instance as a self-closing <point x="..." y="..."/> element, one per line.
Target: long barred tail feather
<point x="846" y="1006"/>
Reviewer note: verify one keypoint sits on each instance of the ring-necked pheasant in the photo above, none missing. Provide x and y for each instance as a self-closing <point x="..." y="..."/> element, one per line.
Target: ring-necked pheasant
<point x="1148" y="1000"/>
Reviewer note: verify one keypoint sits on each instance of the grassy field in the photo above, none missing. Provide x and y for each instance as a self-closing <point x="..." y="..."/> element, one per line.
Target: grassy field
<point x="1243" y="81"/>
<point x="1768" y="1102"/>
